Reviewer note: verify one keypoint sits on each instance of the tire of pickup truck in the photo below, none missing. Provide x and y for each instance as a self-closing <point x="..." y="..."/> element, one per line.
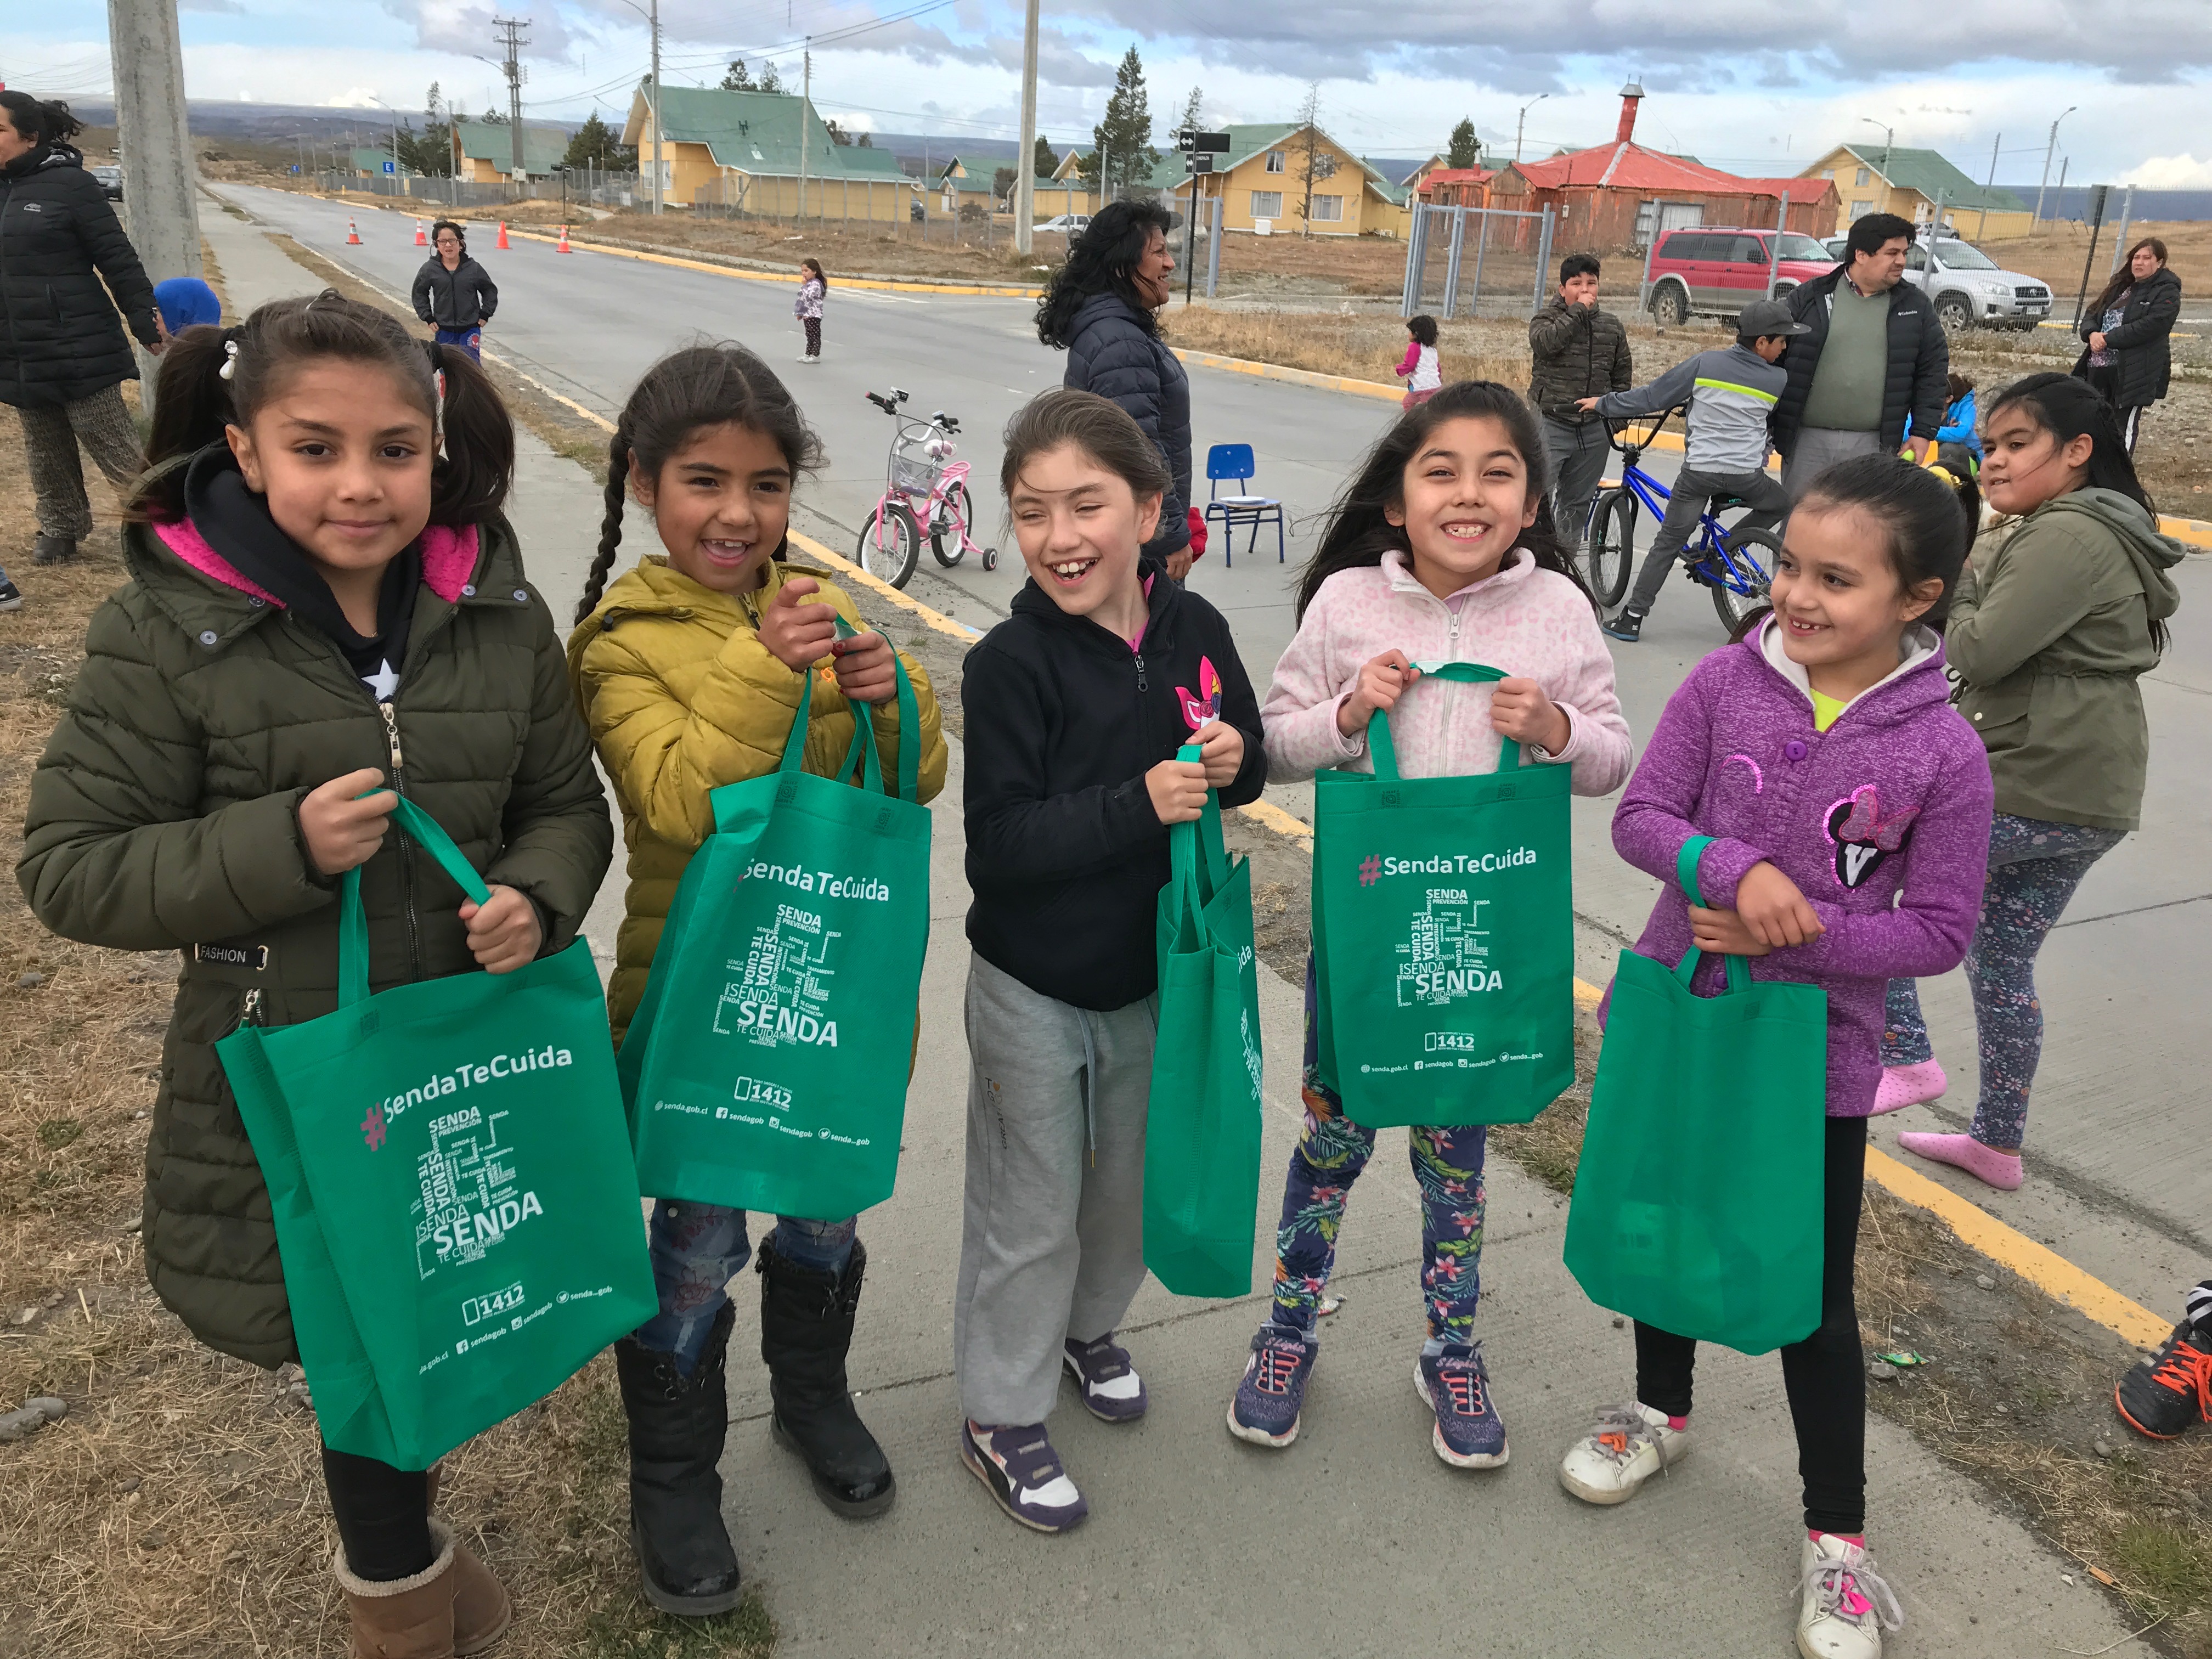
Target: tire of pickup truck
<point x="1670" y="305"/>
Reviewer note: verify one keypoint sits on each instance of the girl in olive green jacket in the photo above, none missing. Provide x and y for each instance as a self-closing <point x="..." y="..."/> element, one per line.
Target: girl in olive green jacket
<point x="2052" y="628"/>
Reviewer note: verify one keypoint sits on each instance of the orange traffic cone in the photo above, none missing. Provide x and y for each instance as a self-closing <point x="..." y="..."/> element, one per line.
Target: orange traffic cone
<point x="353" y="235"/>
<point x="564" y="248"/>
<point x="502" y="241"/>
<point x="421" y="240"/>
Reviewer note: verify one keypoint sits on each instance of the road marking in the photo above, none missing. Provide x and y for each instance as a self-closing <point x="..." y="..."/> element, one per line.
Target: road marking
<point x="844" y="567"/>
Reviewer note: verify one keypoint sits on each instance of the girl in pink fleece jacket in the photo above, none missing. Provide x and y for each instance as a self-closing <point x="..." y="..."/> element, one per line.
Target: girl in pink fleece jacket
<point x="1440" y="549"/>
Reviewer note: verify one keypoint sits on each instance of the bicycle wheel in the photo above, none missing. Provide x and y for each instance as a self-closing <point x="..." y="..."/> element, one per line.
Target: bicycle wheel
<point x="949" y="527"/>
<point x="891" y="543"/>
<point x="1612" y="546"/>
<point x="1749" y="561"/>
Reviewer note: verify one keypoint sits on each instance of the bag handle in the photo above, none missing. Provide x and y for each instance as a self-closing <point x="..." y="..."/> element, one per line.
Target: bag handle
<point x="864" y="753"/>
<point x="1199" y="842"/>
<point x="353" y="920"/>
<point x="1686" y="872"/>
<point x="1385" y="753"/>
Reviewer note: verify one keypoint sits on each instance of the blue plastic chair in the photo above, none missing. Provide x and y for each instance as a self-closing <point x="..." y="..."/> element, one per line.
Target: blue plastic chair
<point x="1233" y="463"/>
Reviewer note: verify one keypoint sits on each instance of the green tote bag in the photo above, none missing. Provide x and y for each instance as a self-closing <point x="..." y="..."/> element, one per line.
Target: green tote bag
<point x="766" y="1067"/>
<point x="1444" y="936"/>
<point x="446" y="1169"/>
<point x="1698" y="1204"/>
<point x="1202" y="1134"/>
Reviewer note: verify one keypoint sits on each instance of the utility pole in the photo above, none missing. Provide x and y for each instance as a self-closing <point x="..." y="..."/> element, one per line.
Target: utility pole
<point x="1025" y="168"/>
<point x="805" y="116"/>
<point x="1983" y="223"/>
<point x="512" y="37"/>
<point x="152" y="140"/>
<point x="2049" y="151"/>
<point x="653" y="19"/>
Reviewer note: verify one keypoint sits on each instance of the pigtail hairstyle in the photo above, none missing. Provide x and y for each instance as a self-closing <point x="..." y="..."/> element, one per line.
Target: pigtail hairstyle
<point x="691" y="388"/>
<point x="1357" y="531"/>
<point x="214" y="378"/>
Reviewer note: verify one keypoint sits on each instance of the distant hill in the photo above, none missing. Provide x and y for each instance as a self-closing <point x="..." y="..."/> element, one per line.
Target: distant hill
<point x="275" y="124"/>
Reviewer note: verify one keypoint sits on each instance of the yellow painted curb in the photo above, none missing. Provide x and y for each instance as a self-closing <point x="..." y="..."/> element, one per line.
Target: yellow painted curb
<point x="845" y="568"/>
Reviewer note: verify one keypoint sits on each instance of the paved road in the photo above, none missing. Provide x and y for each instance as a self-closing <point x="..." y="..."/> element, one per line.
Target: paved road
<point x="2120" y="1098"/>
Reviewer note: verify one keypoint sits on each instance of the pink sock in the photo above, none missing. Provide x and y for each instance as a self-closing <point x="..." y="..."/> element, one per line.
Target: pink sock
<point x="2000" y="1169"/>
<point x="1858" y="1537"/>
<point x="1908" y="1086"/>
<point x="1674" y="1422"/>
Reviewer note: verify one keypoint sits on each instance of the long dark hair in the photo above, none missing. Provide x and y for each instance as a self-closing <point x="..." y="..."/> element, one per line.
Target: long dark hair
<point x="690" y="388"/>
<point x="2123" y="277"/>
<point x="1100" y="262"/>
<point x="820" y="275"/>
<point x="468" y="483"/>
<point x="1357" y="532"/>
<point x="2067" y="408"/>
<point x="1104" y="431"/>
<point x="48" y="123"/>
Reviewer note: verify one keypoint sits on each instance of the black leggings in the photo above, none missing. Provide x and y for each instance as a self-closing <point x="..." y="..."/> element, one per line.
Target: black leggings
<point x="383" y="1515"/>
<point x="813" y="325"/>
<point x="1825" y="1374"/>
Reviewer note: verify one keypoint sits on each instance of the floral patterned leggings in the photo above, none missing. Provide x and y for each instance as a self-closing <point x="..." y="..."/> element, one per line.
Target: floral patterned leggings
<point x="2034" y="867"/>
<point x="1332" y="1151"/>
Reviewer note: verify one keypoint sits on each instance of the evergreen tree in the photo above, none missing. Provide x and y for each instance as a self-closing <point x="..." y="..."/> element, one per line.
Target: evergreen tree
<point x="596" y="144"/>
<point x="866" y="143"/>
<point x="1193" y="112"/>
<point x="1046" y="161"/>
<point x="1465" y="150"/>
<point x="431" y="154"/>
<point x="1121" y="157"/>
<point x="769" y="80"/>
<point x="1003" y="182"/>
<point x="838" y="135"/>
<point x="737" y="79"/>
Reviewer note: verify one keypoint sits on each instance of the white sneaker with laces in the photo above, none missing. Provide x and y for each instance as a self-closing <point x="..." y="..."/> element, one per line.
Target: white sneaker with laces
<point x="1629" y="1445"/>
<point x="1843" y="1606"/>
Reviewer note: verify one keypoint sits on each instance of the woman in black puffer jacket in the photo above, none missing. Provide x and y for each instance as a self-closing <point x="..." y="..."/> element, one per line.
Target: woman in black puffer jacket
<point x="62" y="355"/>
<point x="1098" y="308"/>
<point x="2125" y="329"/>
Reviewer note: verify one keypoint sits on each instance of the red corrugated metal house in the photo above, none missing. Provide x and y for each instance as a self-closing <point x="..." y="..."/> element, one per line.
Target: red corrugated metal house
<point x="1620" y="195"/>
<point x="1456" y="186"/>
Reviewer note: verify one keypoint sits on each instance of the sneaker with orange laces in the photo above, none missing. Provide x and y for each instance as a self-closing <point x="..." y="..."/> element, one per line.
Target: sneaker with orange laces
<point x="1629" y="1445"/>
<point x="2165" y="1394"/>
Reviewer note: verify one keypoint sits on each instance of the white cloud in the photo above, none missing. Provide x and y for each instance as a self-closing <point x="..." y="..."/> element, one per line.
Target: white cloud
<point x="2171" y="173"/>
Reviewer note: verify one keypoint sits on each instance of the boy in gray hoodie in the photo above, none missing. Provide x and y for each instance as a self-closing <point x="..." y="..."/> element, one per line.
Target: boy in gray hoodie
<point x="1731" y="394"/>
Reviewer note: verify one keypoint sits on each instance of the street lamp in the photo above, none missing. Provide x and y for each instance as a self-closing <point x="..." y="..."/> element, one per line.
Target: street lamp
<point x="1522" y="120"/>
<point x="653" y="21"/>
<point x="396" y="162"/>
<point x="2048" y="150"/>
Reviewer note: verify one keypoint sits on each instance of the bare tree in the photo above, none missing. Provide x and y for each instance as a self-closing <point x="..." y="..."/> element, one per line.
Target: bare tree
<point x="1318" y="165"/>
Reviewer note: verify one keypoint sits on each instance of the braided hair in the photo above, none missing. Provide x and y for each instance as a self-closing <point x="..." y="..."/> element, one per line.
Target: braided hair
<point x="693" y="388"/>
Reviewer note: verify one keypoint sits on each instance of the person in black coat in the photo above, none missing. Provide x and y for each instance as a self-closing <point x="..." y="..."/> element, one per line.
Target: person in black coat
<point x="63" y="354"/>
<point x="2125" y="330"/>
<point x="453" y="293"/>
<point x="1098" y="308"/>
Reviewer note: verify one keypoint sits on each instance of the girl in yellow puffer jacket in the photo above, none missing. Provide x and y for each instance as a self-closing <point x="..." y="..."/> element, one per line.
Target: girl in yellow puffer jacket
<point x="689" y="669"/>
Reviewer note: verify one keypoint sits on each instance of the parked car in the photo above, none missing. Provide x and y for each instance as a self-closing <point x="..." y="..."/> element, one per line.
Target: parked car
<point x="1715" y="271"/>
<point x="1067" y="224"/>
<point x="1968" y="287"/>
<point x="111" y="181"/>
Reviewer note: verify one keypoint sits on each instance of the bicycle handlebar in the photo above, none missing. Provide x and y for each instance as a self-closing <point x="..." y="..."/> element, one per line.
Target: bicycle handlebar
<point x="1613" y="429"/>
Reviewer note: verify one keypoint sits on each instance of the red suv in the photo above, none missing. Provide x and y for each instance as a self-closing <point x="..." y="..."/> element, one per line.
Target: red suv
<point x="1715" y="271"/>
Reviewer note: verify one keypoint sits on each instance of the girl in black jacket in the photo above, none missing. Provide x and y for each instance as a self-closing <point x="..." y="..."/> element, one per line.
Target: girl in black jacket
<point x="453" y="293"/>
<point x="2125" y="329"/>
<point x="1075" y="707"/>
<point x="63" y="357"/>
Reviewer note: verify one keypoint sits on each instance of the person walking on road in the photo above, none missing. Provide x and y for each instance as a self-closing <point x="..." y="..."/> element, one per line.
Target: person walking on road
<point x="1098" y="308"/>
<point x="66" y="268"/>
<point x="2125" y="330"/>
<point x="453" y="293"/>
<point x="1577" y="349"/>
<point x="2053" y="627"/>
<point x="1875" y="354"/>
<point x="1420" y="369"/>
<point x="1731" y="394"/>
<point x="1838" y="695"/>
<point x="807" y="307"/>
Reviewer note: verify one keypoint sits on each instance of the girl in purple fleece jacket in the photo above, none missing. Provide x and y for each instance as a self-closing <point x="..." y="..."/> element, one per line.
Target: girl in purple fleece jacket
<point x="1850" y="808"/>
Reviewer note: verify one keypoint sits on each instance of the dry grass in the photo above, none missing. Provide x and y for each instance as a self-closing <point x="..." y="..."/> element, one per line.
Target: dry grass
<point x="177" y="1512"/>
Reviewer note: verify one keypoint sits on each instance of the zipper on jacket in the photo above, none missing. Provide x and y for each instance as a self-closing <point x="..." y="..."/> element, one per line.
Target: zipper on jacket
<point x="249" y="1011"/>
<point x="1139" y="656"/>
<point x="406" y="846"/>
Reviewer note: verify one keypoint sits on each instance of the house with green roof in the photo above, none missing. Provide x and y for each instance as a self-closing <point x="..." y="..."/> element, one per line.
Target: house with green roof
<point x="745" y="151"/>
<point x="368" y="160"/>
<point x="483" y="151"/>
<point x="1261" y="183"/>
<point x="1892" y="179"/>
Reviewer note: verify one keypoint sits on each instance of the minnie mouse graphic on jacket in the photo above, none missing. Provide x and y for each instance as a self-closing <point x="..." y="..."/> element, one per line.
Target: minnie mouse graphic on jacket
<point x="1894" y="797"/>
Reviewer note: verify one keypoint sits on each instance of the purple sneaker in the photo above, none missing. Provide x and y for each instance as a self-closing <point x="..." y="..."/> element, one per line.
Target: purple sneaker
<point x="1266" y="1409"/>
<point x="1024" y="1476"/>
<point x="1455" y="1385"/>
<point x="1112" y="1390"/>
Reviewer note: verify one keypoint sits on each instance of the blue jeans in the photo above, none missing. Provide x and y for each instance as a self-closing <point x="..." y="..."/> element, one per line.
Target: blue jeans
<point x="470" y="340"/>
<point x="697" y="1249"/>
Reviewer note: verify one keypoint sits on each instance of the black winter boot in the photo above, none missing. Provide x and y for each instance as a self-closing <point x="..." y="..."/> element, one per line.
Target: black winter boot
<point x="675" y="1428"/>
<point x="806" y="1327"/>
<point x="52" y="549"/>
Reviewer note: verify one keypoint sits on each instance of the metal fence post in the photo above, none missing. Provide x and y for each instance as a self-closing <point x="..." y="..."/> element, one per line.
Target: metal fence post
<point x="2126" y="212"/>
<point x="1451" y="261"/>
<point x="1213" y="251"/>
<point x="1774" y="254"/>
<point x="1416" y="254"/>
<point x="1543" y="258"/>
<point x="1481" y="245"/>
<point x="1650" y="246"/>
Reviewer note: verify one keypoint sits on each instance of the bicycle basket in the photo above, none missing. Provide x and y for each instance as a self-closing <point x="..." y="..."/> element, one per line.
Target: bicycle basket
<point x="913" y="475"/>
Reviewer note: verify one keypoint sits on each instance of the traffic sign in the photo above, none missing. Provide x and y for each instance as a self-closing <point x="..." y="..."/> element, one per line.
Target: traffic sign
<point x="391" y="167"/>
<point x="1198" y="163"/>
<point x="1202" y="143"/>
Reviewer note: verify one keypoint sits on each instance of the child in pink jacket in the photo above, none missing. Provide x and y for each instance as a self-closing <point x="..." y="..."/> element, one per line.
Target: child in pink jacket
<point x="1440" y="549"/>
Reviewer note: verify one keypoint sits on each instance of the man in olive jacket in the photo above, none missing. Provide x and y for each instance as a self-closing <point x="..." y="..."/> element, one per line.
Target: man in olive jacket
<point x="1577" y="349"/>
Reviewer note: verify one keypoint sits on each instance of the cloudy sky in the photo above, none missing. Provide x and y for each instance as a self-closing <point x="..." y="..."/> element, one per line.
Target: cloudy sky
<point x="1747" y="84"/>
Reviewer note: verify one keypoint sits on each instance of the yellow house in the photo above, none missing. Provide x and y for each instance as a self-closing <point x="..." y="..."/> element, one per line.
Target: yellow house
<point x="742" y="150"/>
<point x="483" y="151"/>
<point x="1065" y="191"/>
<point x="1262" y="183"/>
<point x="1876" y="178"/>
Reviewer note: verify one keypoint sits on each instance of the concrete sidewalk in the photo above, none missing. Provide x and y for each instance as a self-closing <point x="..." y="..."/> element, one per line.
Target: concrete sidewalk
<point x="1356" y="1540"/>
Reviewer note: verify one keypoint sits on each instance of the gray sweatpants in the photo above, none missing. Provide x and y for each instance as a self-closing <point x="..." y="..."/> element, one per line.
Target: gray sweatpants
<point x="1052" y="1241"/>
<point x="1817" y="449"/>
<point x="1578" y="454"/>
<point x="51" y="433"/>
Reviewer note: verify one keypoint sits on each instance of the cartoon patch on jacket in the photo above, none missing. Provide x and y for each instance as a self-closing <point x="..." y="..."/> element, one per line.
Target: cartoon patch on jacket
<point x="1863" y="837"/>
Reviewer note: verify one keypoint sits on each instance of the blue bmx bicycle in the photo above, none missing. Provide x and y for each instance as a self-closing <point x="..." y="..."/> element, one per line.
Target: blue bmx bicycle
<point x="1735" y="566"/>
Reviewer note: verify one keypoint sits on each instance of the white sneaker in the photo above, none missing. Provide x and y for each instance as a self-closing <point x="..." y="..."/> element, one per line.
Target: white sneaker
<point x="1843" y="1606"/>
<point x="1630" y="1444"/>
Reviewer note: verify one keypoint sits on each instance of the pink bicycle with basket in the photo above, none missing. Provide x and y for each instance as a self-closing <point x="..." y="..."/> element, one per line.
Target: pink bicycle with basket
<point x="924" y="488"/>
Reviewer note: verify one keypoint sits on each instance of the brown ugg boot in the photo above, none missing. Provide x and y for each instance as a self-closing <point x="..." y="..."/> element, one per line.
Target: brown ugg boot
<point x="482" y="1611"/>
<point x="402" y="1618"/>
